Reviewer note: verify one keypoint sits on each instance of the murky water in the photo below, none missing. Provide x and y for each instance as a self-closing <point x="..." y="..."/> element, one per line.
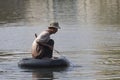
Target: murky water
<point x="89" y="38"/>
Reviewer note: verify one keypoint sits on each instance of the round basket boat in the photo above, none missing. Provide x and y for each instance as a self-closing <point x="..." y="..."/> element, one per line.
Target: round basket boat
<point x="45" y="62"/>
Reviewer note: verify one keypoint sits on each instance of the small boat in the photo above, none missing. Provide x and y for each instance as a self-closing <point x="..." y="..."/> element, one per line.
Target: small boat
<point x="45" y="62"/>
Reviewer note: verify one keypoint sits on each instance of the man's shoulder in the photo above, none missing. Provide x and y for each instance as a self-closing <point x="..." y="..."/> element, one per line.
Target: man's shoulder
<point x="45" y="32"/>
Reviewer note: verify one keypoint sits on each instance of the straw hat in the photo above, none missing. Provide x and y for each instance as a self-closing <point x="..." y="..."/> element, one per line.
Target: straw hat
<point x="54" y="25"/>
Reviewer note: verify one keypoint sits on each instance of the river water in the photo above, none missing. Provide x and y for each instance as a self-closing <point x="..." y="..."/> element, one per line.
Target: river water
<point x="89" y="37"/>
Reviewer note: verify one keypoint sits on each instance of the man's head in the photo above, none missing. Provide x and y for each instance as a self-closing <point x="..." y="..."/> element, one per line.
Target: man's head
<point x="54" y="26"/>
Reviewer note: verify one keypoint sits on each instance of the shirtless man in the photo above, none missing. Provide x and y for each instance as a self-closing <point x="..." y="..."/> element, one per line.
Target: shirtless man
<point x="43" y="45"/>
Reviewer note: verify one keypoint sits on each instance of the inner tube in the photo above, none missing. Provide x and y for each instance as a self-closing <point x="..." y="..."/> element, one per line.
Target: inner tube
<point x="45" y="62"/>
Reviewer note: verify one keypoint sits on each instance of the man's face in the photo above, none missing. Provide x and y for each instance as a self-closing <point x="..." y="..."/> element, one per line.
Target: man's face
<point x="55" y="30"/>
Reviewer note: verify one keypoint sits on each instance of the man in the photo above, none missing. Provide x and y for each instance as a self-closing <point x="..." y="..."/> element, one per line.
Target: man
<point x="43" y="46"/>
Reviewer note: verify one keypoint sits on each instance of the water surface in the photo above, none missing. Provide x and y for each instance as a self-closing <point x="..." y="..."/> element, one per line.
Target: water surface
<point x="89" y="37"/>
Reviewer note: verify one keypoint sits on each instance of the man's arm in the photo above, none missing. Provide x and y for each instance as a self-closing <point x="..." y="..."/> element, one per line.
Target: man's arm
<point x="44" y="44"/>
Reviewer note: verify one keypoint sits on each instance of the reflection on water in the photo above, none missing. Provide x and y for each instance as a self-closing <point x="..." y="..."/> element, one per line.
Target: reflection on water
<point x="42" y="75"/>
<point x="89" y="38"/>
<point x="99" y="11"/>
<point x="67" y="12"/>
<point x="46" y="74"/>
<point x="12" y="11"/>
